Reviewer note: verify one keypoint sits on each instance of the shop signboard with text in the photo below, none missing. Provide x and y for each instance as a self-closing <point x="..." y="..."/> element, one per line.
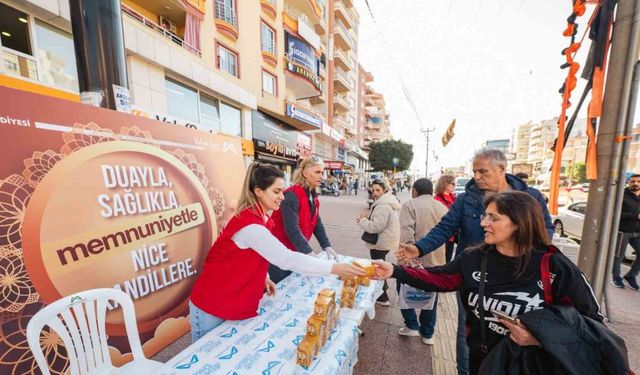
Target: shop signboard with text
<point x="93" y="198"/>
<point x="302" y="60"/>
<point x="273" y="137"/>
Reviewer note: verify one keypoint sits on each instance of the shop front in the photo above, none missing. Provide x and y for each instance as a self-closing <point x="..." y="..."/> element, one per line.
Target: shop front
<point x="275" y="143"/>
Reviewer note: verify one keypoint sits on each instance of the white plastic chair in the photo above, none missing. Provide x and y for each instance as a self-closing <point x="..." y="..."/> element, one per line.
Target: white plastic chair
<point x="79" y="320"/>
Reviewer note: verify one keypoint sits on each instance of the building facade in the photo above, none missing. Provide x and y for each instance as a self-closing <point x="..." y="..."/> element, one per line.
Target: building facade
<point x="279" y="74"/>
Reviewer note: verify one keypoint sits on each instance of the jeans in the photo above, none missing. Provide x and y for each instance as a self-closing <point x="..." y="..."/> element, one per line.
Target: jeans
<point x="462" y="349"/>
<point x="201" y="322"/>
<point x="381" y="254"/>
<point x="632" y="239"/>
<point x="427" y="324"/>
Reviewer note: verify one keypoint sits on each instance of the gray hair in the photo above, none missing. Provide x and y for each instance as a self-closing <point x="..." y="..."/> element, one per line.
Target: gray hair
<point x="495" y="157"/>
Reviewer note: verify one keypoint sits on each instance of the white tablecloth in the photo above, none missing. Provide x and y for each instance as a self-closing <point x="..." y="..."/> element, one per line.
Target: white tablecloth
<point x="267" y="343"/>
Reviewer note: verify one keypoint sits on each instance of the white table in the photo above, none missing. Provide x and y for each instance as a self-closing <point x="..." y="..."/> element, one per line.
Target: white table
<point x="267" y="343"/>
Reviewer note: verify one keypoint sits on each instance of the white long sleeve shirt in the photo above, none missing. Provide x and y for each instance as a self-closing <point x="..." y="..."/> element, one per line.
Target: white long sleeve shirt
<point x="258" y="238"/>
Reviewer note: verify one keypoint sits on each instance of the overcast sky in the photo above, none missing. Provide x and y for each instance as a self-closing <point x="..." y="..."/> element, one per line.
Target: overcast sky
<point x="490" y="64"/>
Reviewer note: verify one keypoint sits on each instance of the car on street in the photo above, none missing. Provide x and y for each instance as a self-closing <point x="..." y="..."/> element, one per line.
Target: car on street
<point x="569" y="220"/>
<point x="579" y="187"/>
<point x="461" y="182"/>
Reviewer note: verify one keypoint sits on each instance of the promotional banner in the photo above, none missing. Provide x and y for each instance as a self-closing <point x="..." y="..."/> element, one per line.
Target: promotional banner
<point x="93" y="198"/>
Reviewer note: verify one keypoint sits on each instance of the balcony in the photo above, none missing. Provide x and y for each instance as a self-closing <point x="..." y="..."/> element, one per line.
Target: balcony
<point x="341" y="81"/>
<point x="341" y="103"/>
<point x="226" y="20"/>
<point x="348" y="3"/>
<point x="269" y="7"/>
<point x="342" y="37"/>
<point x="343" y="15"/>
<point x="174" y="14"/>
<point x="341" y="60"/>
<point x="313" y="9"/>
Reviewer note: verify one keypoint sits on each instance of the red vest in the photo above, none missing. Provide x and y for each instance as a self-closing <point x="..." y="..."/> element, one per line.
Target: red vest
<point x="306" y="223"/>
<point x="232" y="279"/>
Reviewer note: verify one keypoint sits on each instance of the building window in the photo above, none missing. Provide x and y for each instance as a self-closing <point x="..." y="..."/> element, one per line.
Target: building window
<point x="209" y="114"/>
<point x="228" y="61"/>
<point x="230" y="120"/>
<point x="56" y="57"/>
<point x="268" y="38"/>
<point x="15" y="42"/>
<point x="269" y="83"/>
<point x="182" y="101"/>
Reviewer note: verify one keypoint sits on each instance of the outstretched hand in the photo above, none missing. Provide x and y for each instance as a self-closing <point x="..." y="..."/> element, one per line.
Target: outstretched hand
<point x="347" y="270"/>
<point x="383" y="269"/>
<point x="407" y="251"/>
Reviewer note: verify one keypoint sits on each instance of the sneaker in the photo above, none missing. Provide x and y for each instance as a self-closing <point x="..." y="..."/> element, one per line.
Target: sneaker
<point x="405" y="331"/>
<point x="384" y="303"/>
<point x="631" y="281"/>
<point x="617" y="282"/>
<point x="427" y="340"/>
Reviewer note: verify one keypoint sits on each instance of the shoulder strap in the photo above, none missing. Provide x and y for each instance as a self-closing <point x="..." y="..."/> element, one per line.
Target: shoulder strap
<point x="546" y="276"/>
<point x="483" y="329"/>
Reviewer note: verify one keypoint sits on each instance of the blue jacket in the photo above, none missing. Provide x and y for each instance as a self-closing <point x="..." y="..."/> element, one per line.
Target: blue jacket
<point x="464" y="217"/>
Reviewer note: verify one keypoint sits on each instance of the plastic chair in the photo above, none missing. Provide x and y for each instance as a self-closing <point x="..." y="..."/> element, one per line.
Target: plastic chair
<point x="79" y="320"/>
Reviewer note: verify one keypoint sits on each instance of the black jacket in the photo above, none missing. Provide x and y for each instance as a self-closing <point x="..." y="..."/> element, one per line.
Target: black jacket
<point x="571" y="344"/>
<point x="629" y="219"/>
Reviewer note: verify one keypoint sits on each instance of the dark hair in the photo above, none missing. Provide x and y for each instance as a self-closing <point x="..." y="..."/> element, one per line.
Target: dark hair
<point x="381" y="184"/>
<point x="634" y="175"/>
<point x="526" y="213"/>
<point x="423" y="186"/>
<point x="259" y="175"/>
<point x="522" y="175"/>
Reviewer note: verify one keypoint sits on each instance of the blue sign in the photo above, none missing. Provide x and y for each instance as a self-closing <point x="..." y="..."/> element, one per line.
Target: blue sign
<point x="304" y="116"/>
<point x="342" y="154"/>
<point x="302" y="59"/>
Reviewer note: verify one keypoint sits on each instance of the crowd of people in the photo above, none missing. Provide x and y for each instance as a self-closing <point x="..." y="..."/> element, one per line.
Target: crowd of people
<point x="491" y="245"/>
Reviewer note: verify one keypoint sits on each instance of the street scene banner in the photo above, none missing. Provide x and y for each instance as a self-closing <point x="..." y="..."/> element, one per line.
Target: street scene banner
<point x="93" y="198"/>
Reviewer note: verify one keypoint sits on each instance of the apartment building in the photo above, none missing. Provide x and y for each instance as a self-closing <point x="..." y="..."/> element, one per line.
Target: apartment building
<point x="377" y="118"/>
<point x="261" y="70"/>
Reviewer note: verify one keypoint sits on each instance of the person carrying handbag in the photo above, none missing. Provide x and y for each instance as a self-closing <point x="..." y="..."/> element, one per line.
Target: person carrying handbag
<point x="382" y="227"/>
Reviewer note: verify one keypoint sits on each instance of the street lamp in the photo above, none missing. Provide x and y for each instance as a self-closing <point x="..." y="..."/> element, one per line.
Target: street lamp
<point x="395" y="164"/>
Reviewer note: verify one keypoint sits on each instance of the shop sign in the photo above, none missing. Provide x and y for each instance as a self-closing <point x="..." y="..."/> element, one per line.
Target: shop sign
<point x="273" y="137"/>
<point x="342" y="154"/>
<point x="302" y="59"/>
<point x="295" y="112"/>
<point x="337" y="136"/>
<point x="304" y="145"/>
<point x="333" y="164"/>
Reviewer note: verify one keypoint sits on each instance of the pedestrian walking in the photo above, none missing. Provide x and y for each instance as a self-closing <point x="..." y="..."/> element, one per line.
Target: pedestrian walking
<point x="384" y="225"/>
<point x="356" y="186"/>
<point x="417" y="216"/>
<point x="489" y="177"/>
<point x="504" y="273"/>
<point x="299" y="215"/>
<point x="234" y="275"/>
<point x="630" y="230"/>
<point x="444" y="194"/>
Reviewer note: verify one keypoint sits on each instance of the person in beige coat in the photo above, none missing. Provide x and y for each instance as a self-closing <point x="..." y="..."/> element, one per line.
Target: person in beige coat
<point x="417" y="217"/>
<point x="384" y="221"/>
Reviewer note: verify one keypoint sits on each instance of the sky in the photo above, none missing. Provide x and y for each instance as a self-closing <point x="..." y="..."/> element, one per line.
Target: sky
<point x="490" y="64"/>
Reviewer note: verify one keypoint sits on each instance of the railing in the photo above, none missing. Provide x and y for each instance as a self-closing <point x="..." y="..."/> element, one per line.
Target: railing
<point x="342" y="74"/>
<point x="160" y="30"/>
<point x="19" y="64"/>
<point x="269" y="47"/>
<point x="226" y="13"/>
<point x="344" y="30"/>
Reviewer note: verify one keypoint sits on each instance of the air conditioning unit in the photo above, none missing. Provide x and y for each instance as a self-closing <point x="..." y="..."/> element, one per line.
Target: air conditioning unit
<point x="168" y="25"/>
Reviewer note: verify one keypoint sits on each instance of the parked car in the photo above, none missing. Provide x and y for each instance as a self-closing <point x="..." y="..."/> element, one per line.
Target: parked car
<point x="569" y="221"/>
<point x="579" y="187"/>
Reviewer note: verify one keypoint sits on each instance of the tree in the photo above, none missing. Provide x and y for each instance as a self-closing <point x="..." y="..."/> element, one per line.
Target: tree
<point x="577" y="172"/>
<point x="381" y="155"/>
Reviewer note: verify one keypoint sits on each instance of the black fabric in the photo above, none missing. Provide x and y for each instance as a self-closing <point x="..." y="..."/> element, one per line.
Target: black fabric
<point x="483" y="326"/>
<point x="629" y="216"/>
<point x="371" y="238"/>
<point x="571" y="343"/>
<point x="503" y="291"/>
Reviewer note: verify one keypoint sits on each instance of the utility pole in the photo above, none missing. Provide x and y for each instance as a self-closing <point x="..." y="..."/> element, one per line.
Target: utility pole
<point x="426" y="163"/>
<point x="601" y="207"/>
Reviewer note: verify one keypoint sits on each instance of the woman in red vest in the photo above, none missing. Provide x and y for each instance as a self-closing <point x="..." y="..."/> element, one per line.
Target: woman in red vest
<point x="234" y="276"/>
<point x="298" y="217"/>
<point x="444" y="194"/>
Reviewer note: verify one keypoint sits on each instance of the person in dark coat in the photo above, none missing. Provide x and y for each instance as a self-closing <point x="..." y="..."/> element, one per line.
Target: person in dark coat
<point x="630" y="228"/>
<point x="515" y="244"/>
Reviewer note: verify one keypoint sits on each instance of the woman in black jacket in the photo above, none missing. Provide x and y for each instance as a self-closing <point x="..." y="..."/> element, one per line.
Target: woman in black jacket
<point x="515" y="244"/>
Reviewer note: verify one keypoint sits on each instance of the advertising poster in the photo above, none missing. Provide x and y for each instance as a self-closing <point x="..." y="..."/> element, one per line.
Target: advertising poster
<point x="94" y="198"/>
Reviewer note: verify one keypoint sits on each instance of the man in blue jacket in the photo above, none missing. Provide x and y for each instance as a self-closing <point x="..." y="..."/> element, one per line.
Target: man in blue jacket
<point x="489" y="177"/>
